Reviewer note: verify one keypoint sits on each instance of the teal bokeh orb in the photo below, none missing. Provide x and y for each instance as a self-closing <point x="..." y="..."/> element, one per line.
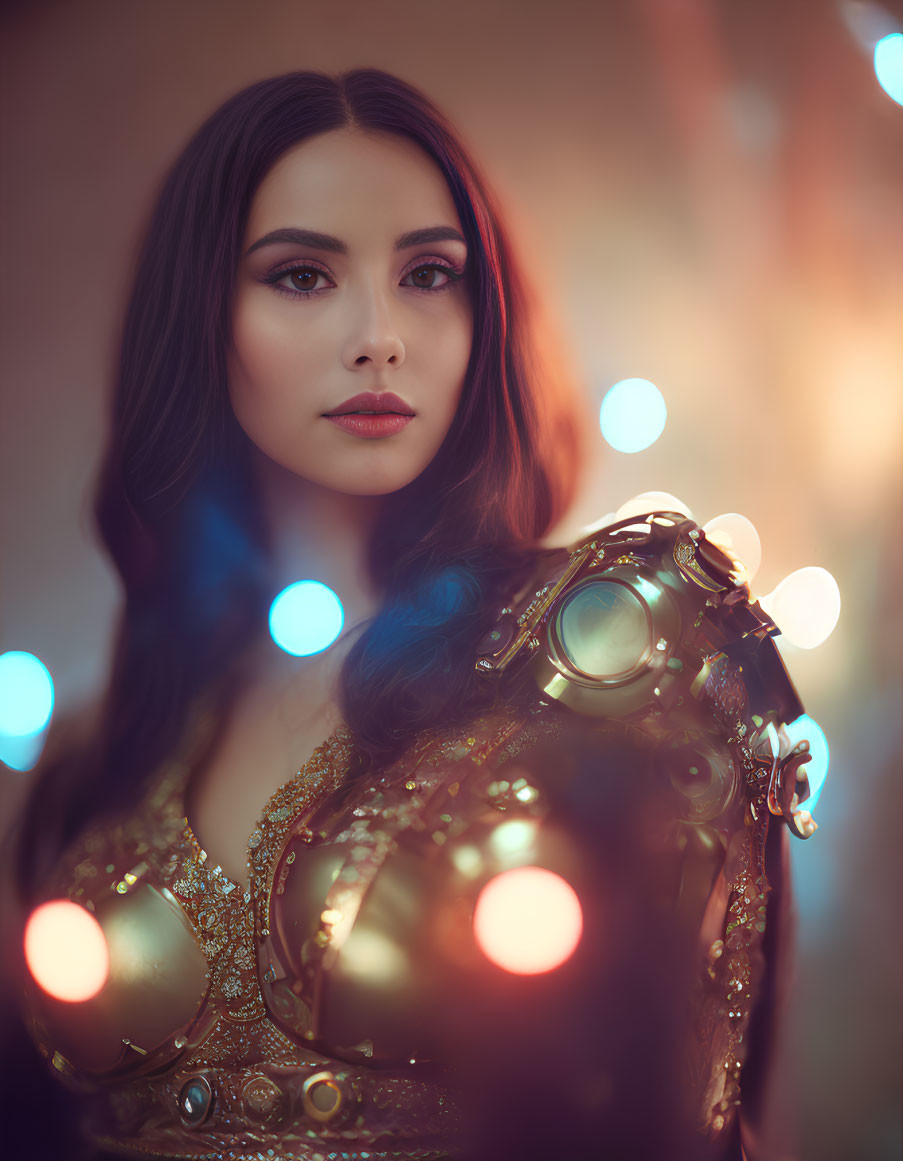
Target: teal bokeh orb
<point x="888" y="63"/>
<point x="26" y="694"/>
<point x="632" y="415"/>
<point x="816" y="770"/>
<point x="306" y="618"/>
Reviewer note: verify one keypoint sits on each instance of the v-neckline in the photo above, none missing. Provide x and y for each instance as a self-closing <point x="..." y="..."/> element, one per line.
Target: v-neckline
<point x="260" y="825"/>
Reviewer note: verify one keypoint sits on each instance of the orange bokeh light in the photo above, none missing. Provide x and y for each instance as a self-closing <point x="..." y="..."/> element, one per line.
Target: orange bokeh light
<point x="66" y="951"/>
<point x="528" y="920"/>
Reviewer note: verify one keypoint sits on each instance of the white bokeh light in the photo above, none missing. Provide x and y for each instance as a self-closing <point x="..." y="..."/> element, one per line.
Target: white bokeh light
<point x="652" y="502"/>
<point x="306" y="618"/>
<point x="805" y="606"/>
<point x="738" y="538"/>
<point x="633" y="415"/>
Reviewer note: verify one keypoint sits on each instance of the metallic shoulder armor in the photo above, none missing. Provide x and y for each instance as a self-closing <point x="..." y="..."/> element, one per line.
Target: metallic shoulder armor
<point x="646" y="620"/>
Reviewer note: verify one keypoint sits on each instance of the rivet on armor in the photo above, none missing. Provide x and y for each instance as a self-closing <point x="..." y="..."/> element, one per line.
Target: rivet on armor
<point x="322" y="1096"/>
<point x="262" y="1098"/>
<point x="195" y="1100"/>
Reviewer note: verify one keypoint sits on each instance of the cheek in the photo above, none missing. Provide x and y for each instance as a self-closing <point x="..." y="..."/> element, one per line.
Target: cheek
<point x="274" y="358"/>
<point x="449" y="356"/>
<point x="261" y="347"/>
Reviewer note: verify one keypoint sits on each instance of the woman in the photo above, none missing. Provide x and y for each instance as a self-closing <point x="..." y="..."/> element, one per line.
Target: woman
<point x="327" y="372"/>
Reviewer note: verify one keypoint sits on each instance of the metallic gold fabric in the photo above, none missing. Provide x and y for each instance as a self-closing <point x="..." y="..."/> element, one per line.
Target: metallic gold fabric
<point x="293" y="1019"/>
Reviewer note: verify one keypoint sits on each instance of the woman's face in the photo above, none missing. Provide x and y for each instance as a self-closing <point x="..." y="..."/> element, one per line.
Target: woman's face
<point x="349" y="284"/>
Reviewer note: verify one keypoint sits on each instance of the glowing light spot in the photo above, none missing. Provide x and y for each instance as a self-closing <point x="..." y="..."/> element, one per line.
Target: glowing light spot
<point x="738" y="537"/>
<point x="66" y="951"/>
<point x="588" y="530"/>
<point x="21" y="753"/>
<point x="468" y="861"/>
<point x="26" y="694"/>
<point x="816" y="769"/>
<point x="652" y="502"/>
<point x="373" y="956"/>
<point x="632" y="415"/>
<point x="513" y="837"/>
<point x="528" y="920"/>
<point x="306" y="618"/>
<point x="805" y="606"/>
<point x="889" y="65"/>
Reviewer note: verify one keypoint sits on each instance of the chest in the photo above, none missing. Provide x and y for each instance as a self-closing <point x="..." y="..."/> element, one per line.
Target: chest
<point x="268" y="737"/>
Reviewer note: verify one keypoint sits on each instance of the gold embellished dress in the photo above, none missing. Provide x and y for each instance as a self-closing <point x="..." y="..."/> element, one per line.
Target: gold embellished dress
<point x="305" y="1017"/>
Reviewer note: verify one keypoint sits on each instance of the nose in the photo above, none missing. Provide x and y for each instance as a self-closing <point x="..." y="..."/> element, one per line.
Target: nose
<point x="374" y="338"/>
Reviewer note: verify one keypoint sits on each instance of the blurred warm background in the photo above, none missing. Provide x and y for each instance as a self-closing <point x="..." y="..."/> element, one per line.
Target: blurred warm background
<point x="706" y="195"/>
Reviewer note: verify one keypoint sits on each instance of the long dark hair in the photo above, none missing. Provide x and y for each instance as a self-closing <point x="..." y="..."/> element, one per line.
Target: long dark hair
<point x="175" y="504"/>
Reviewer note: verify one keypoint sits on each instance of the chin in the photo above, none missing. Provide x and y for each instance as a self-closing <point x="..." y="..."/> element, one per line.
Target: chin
<point x="370" y="485"/>
<point x="357" y="477"/>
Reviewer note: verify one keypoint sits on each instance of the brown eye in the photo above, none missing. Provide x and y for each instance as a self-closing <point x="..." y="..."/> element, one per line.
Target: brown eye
<point x="298" y="281"/>
<point x="424" y="277"/>
<point x="304" y="278"/>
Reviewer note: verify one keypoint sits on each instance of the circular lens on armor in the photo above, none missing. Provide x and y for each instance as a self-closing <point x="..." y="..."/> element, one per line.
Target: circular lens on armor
<point x="195" y="1100"/>
<point x="604" y="629"/>
<point x="705" y="778"/>
<point x="690" y="772"/>
<point x="322" y="1096"/>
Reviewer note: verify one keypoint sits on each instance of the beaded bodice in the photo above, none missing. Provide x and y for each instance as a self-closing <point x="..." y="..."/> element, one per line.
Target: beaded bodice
<point x="300" y="1018"/>
<point x="213" y="1037"/>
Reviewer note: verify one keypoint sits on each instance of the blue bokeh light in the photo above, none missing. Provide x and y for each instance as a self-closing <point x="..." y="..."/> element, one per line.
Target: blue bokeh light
<point x="888" y="63"/>
<point x="306" y="618"/>
<point x="21" y="752"/>
<point x="817" y="769"/>
<point x="26" y="694"/>
<point x="632" y="415"/>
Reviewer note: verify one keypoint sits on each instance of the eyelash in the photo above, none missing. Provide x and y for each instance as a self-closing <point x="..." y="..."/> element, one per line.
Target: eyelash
<point x="275" y="277"/>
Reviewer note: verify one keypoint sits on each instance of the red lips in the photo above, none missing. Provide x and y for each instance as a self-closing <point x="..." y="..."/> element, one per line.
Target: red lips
<point x="379" y="404"/>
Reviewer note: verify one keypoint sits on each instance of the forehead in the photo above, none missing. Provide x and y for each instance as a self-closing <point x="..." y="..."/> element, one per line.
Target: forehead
<point x="351" y="180"/>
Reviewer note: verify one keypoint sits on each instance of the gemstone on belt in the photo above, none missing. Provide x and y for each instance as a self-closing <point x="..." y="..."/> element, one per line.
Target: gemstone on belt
<point x="195" y="1100"/>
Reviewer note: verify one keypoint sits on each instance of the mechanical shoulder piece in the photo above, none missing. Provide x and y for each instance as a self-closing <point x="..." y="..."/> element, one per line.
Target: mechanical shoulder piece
<point x="647" y="620"/>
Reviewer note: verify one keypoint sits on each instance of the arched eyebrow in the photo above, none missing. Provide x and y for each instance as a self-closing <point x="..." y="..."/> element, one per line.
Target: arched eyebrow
<point x="316" y="241"/>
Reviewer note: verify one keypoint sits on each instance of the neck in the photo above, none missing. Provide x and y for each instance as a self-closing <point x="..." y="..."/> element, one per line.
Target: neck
<point x="316" y="533"/>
